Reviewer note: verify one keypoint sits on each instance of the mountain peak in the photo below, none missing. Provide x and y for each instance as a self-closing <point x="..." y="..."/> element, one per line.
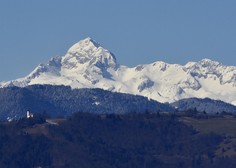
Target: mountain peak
<point x="202" y="63"/>
<point x="208" y="62"/>
<point x="87" y="43"/>
<point x="89" y="52"/>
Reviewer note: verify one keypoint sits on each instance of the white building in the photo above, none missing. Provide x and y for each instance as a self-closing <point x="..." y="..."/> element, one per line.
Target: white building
<point x="29" y="115"/>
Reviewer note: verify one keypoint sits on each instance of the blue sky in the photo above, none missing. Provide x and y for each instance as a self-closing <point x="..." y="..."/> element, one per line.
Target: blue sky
<point x="136" y="31"/>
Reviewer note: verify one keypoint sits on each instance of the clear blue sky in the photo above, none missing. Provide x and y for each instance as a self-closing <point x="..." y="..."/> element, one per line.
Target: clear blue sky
<point x="136" y="31"/>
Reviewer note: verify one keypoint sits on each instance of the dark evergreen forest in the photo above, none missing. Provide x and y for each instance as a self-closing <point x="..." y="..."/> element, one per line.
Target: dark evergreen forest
<point x="64" y="101"/>
<point x="88" y="140"/>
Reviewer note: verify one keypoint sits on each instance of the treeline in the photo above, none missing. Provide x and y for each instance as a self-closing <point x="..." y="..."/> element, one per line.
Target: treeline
<point x="109" y="140"/>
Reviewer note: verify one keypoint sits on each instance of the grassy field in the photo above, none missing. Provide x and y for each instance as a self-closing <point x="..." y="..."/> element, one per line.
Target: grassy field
<point x="225" y="125"/>
<point x="221" y="125"/>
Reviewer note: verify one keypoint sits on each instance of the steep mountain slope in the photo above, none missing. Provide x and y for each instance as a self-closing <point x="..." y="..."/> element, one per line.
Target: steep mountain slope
<point x="88" y="65"/>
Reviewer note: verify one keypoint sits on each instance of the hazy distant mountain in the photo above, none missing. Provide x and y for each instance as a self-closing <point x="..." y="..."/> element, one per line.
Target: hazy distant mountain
<point x="88" y="65"/>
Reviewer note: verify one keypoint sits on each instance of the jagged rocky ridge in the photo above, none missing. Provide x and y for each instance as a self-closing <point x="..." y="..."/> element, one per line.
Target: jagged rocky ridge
<point x="88" y="65"/>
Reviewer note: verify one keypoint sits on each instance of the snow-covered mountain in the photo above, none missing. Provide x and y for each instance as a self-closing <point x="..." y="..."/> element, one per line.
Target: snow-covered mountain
<point x="88" y="65"/>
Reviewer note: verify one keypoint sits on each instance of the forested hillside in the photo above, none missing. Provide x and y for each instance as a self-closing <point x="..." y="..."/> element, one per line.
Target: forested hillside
<point x="64" y="101"/>
<point x="204" y="105"/>
<point x="109" y="140"/>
